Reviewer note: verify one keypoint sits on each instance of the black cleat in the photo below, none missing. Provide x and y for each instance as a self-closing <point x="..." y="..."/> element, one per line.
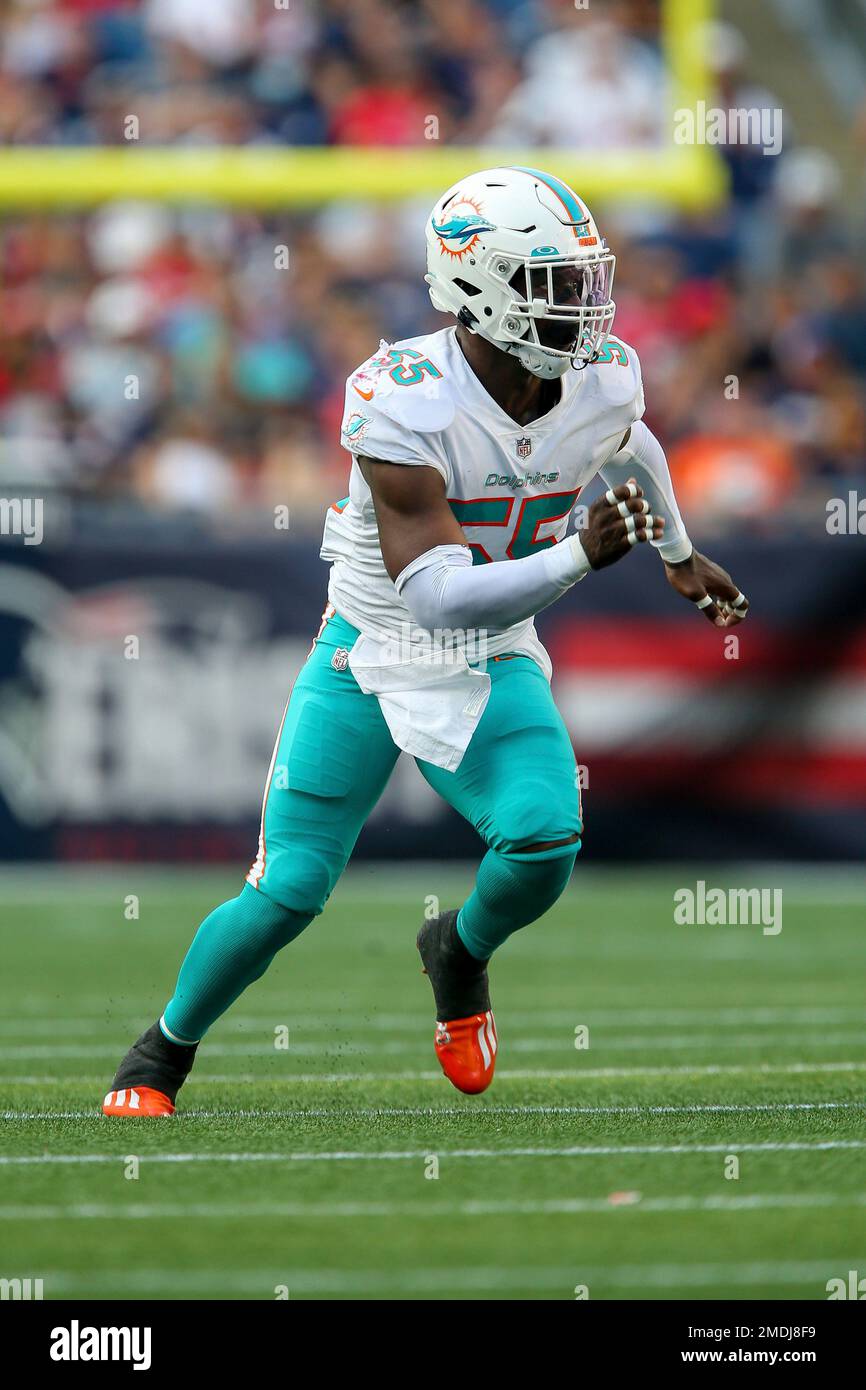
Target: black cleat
<point x="459" y="981"/>
<point x="150" y="1076"/>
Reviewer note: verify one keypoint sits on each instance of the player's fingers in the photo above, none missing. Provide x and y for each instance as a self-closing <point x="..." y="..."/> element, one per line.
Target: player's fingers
<point x="639" y="527"/>
<point x="710" y="610"/>
<point x="646" y="522"/>
<point x="622" y="492"/>
<point x="632" y="506"/>
<point x="635" y="528"/>
<point x="734" y="610"/>
<point x="731" y="619"/>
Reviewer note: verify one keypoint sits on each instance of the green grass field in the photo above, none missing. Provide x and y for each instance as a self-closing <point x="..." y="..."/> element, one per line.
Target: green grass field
<point x="307" y="1166"/>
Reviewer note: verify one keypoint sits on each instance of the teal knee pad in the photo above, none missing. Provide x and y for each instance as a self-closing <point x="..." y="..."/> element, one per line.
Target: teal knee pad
<point x="538" y="803"/>
<point x="301" y="872"/>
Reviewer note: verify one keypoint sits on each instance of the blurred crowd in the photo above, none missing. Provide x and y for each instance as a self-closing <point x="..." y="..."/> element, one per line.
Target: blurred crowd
<point x="345" y="72"/>
<point x="191" y="361"/>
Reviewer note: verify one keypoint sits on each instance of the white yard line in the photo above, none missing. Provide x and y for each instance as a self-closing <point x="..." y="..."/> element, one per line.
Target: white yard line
<point x="807" y="883"/>
<point x="431" y="1112"/>
<point x="644" y="1042"/>
<point x="574" y="1206"/>
<point x="407" y="1155"/>
<point x="547" y="1020"/>
<point x="452" y="1279"/>
<point x="575" y="1073"/>
<point x="610" y="1042"/>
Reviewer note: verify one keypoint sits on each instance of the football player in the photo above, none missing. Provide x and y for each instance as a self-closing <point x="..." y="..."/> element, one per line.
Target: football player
<point x="470" y="447"/>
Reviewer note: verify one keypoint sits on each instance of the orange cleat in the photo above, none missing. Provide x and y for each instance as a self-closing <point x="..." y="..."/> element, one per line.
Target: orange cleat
<point x="466" y="1048"/>
<point x="466" y="1042"/>
<point x="150" y="1076"/>
<point x="136" y="1101"/>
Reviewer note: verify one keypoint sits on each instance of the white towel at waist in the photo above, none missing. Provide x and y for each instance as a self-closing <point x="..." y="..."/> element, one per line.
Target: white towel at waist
<point x="431" y="701"/>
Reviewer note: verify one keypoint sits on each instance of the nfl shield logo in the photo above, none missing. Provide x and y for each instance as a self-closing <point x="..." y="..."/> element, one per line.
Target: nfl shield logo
<point x="340" y="659"/>
<point x="524" y="447"/>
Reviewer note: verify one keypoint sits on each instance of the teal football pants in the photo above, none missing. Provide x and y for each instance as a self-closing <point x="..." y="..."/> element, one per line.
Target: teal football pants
<point x="517" y="785"/>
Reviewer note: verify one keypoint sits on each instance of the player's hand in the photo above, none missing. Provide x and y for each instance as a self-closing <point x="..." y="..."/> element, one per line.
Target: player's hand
<point x="711" y="588"/>
<point x="616" y="522"/>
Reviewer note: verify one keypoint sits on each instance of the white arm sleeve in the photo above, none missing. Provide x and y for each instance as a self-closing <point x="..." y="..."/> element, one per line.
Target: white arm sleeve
<point x="643" y="458"/>
<point x="442" y="588"/>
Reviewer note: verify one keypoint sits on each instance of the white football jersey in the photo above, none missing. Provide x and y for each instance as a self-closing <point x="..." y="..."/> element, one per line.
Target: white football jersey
<point x="511" y="487"/>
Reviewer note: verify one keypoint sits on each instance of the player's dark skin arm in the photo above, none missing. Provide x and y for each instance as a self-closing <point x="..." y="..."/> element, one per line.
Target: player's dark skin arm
<point x="699" y="575"/>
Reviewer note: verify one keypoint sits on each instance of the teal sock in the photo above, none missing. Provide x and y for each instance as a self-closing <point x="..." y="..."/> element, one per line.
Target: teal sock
<point x="511" y="891"/>
<point x="232" y="947"/>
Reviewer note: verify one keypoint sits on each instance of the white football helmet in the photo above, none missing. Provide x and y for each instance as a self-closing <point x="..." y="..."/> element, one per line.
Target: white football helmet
<point x="522" y="225"/>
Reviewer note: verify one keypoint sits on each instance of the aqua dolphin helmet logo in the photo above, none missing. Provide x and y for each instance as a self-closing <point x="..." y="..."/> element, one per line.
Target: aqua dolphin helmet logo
<point x="462" y="228"/>
<point x="459" y="233"/>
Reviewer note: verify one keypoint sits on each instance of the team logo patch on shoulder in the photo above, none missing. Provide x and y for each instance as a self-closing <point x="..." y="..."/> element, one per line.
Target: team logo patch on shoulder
<point x="356" y="426"/>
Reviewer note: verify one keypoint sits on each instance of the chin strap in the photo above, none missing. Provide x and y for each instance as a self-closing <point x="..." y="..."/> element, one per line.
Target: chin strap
<point x="548" y="368"/>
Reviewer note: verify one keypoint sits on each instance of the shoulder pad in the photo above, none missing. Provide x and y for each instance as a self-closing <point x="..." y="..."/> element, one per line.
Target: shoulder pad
<point x="396" y="382"/>
<point x="618" y="376"/>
